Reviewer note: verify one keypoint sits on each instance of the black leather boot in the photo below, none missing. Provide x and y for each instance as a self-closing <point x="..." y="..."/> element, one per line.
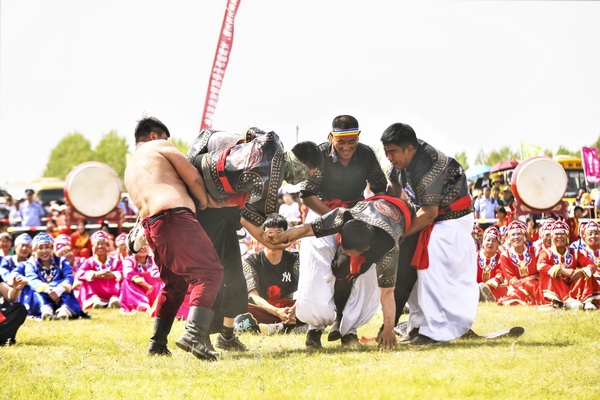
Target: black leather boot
<point x="193" y="339"/>
<point x="158" y="341"/>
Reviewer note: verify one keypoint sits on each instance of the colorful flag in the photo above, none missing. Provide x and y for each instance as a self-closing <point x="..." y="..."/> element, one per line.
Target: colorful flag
<point x="219" y="64"/>
<point x="529" y="150"/>
<point x="591" y="164"/>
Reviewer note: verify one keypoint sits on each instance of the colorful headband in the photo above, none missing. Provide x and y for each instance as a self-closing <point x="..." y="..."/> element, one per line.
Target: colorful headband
<point x="61" y="244"/>
<point x="547" y="226"/>
<point x="97" y="236"/>
<point x="41" y="238"/>
<point x="560" y="227"/>
<point x="591" y="226"/>
<point x="122" y="238"/>
<point x="492" y="232"/>
<point x="343" y="133"/>
<point x="23" y="238"/>
<point x="516" y="226"/>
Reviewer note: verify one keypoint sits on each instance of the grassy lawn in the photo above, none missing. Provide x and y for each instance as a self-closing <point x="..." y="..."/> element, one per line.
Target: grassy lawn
<point x="105" y="358"/>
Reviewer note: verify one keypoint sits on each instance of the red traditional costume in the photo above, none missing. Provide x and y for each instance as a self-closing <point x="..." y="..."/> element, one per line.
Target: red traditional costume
<point x="520" y="270"/>
<point x="488" y="268"/>
<point x="555" y="286"/>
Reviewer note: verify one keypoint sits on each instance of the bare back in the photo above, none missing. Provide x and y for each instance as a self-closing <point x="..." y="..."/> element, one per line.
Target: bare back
<point x="156" y="178"/>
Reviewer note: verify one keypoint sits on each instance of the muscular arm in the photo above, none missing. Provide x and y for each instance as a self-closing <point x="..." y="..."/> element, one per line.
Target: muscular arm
<point x="315" y="204"/>
<point x="425" y="216"/>
<point x="187" y="172"/>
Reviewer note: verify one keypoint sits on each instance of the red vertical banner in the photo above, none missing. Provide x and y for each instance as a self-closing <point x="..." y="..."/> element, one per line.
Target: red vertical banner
<point x="219" y="64"/>
<point x="591" y="164"/>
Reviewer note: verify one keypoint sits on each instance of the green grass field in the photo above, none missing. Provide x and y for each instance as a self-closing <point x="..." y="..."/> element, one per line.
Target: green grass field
<point x="105" y="358"/>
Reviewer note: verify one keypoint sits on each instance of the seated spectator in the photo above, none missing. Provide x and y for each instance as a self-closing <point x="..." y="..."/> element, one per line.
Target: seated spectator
<point x="579" y="244"/>
<point x="13" y="268"/>
<point x="81" y="241"/>
<point x="141" y="282"/>
<point x="100" y="276"/>
<point x="545" y="236"/>
<point x="272" y="279"/>
<point x="573" y="223"/>
<point x="62" y="248"/>
<point x="567" y="275"/>
<point x="290" y="210"/>
<point x="51" y="279"/>
<point x="519" y="266"/>
<point x="121" y="250"/>
<point x="51" y="228"/>
<point x="105" y="227"/>
<point x="127" y="207"/>
<point x="12" y="313"/>
<point x="492" y="284"/>
<point x="31" y="211"/>
<point x="533" y="233"/>
<point x="591" y="235"/>
<point x="6" y="245"/>
<point x="477" y="236"/>
<point x="508" y="198"/>
<point x="502" y="217"/>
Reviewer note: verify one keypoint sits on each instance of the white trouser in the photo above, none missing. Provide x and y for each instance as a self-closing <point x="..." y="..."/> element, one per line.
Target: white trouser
<point x="315" y="304"/>
<point x="443" y="302"/>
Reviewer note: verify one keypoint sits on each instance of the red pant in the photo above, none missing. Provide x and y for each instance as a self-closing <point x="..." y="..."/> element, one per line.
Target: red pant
<point x="184" y="256"/>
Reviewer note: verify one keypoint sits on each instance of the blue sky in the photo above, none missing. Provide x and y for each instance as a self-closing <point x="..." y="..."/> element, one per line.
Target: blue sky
<point x="466" y="75"/>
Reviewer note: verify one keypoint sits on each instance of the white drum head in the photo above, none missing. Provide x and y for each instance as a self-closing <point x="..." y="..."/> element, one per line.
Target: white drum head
<point x="94" y="189"/>
<point x="541" y="183"/>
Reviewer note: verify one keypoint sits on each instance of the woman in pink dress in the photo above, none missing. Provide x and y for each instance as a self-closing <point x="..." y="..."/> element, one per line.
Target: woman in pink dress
<point x="100" y="276"/>
<point x="141" y="282"/>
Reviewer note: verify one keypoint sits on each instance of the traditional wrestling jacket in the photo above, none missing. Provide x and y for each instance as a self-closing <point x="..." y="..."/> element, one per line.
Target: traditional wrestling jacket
<point x="488" y="269"/>
<point x="519" y="267"/>
<point x="343" y="186"/>
<point x="389" y="220"/>
<point x="432" y="178"/>
<point x="550" y="262"/>
<point x="273" y="282"/>
<point x="41" y="278"/>
<point x="254" y="168"/>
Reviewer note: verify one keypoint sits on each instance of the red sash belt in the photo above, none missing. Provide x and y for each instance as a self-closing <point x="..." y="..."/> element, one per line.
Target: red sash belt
<point x="420" y="259"/>
<point x="337" y="203"/>
<point x="221" y="172"/>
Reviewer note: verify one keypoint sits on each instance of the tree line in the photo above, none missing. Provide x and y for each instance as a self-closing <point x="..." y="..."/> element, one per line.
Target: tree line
<point x="75" y="149"/>
<point x="112" y="150"/>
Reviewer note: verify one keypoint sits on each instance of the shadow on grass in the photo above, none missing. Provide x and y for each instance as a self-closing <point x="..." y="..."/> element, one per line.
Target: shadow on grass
<point x="332" y="350"/>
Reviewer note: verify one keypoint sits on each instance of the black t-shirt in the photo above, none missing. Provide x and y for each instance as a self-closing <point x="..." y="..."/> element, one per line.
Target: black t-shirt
<point x="261" y="274"/>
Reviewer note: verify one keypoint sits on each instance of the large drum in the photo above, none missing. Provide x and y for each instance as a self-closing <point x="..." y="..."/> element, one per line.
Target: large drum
<point x="539" y="182"/>
<point x="93" y="189"/>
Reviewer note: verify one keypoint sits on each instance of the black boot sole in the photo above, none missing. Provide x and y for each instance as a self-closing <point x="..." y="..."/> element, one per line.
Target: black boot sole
<point x="201" y="353"/>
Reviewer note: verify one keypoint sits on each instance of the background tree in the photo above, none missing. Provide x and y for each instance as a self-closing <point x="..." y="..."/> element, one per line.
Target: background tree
<point x="566" y="152"/>
<point x="547" y="152"/>
<point x="461" y="157"/>
<point x="495" y="156"/>
<point x="596" y="144"/>
<point x="181" y="145"/>
<point x="112" y="150"/>
<point x="72" y="150"/>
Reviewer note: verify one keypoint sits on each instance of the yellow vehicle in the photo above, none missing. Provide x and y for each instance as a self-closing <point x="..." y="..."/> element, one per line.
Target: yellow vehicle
<point x="48" y="189"/>
<point x="575" y="176"/>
